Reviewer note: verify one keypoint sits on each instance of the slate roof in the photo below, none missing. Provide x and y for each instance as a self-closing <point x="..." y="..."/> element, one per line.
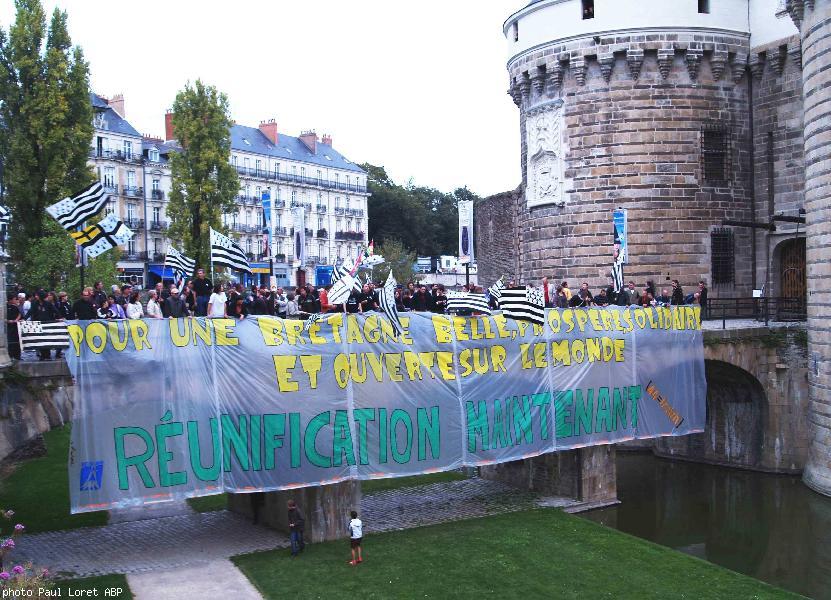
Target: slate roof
<point x="114" y="121"/>
<point x="251" y="139"/>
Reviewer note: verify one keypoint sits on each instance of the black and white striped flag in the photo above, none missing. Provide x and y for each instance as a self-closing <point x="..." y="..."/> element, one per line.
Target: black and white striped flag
<point x="225" y="252"/>
<point x="387" y="300"/>
<point x="181" y="264"/>
<point x="35" y="334"/>
<point x="340" y="271"/>
<point x="524" y="304"/>
<point x="5" y="215"/>
<point x="495" y="291"/>
<point x="617" y="275"/>
<point x="71" y="212"/>
<point x="465" y="302"/>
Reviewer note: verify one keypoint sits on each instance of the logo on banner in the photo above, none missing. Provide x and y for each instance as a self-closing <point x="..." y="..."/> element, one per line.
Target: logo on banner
<point x="91" y="474"/>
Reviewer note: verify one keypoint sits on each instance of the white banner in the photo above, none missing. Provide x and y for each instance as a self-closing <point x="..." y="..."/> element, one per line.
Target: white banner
<point x="466" y="232"/>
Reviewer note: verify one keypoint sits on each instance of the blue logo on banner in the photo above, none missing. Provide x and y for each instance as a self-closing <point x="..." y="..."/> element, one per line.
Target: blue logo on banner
<point x="91" y="473"/>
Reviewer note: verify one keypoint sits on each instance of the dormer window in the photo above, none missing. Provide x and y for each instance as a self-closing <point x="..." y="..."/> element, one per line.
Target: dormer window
<point x="154" y="155"/>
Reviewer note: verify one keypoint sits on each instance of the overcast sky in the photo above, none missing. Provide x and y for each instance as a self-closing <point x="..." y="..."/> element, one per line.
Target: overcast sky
<point x="418" y="87"/>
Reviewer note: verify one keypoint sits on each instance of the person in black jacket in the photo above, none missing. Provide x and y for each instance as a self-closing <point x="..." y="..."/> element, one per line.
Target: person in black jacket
<point x="702" y="297"/>
<point x="99" y="297"/>
<point x="63" y="306"/>
<point x="12" y="317"/>
<point x="43" y="310"/>
<point x="677" y="294"/>
<point x="174" y="306"/>
<point x="297" y="524"/>
<point x="83" y="309"/>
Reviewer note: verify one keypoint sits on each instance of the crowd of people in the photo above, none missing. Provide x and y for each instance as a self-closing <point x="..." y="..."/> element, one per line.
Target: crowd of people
<point x="200" y="297"/>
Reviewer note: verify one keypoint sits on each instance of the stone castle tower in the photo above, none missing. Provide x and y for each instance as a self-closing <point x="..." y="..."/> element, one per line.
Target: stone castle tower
<point x="708" y="120"/>
<point x="813" y="17"/>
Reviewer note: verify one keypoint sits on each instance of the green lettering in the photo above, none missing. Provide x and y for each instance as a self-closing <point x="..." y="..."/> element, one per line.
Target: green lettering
<point x="542" y="401"/>
<point x="382" y="435"/>
<point x="164" y="456"/>
<point x="317" y="423"/>
<point x="619" y="410"/>
<point x="210" y="473"/>
<point x="603" y="418"/>
<point x="342" y="440"/>
<point x="236" y="437"/>
<point x="634" y="396"/>
<point x="522" y="420"/>
<point x="501" y="435"/>
<point x="401" y="416"/>
<point x="362" y="416"/>
<point x="137" y="460"/>
<point x="584" y="411"/>
<point x="294" y="439"/>
<point x="477" y="423"/>
<point x="428" y="431"/>
<point x="256" y="442"/>
<point x="563" y="424"/>
<point x="274" y="426"/>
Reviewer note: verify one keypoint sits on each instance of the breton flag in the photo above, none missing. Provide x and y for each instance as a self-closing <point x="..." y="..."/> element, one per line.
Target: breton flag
<point x="182" y="265"/>
<point x="71" y="212"/>
<point x="225" y="252"/>
<point x="524" y="304"/>
<point x="462" y="301"/>
<point x="387" y="300"/>
<point x="5" y="216"/>
<point x="495" y="291"/>
<point x="36" y="334"/>
<point x="340" y="271"/>
<point x="97" y="239"/>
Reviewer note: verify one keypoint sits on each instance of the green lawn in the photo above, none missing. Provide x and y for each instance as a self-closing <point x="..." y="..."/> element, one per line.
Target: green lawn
<point x="38" y="490"/>
<point x="220" y="501"/>
<point x="83" y="588"/>
<point x="533" y="554"/>
<point x="209" y="503"/>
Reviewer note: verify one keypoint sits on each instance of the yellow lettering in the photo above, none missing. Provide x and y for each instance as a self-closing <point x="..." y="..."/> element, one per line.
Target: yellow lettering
<point x="283" y="365"/>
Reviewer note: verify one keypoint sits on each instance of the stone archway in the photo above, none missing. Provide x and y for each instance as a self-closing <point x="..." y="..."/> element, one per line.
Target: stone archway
<point x="734" y="435"/>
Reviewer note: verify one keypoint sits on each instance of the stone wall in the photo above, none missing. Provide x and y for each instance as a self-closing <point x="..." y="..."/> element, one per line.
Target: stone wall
<point x="778" y="143"/>
<point x="587" y="474"/>
<point x="496" y="236"/>
<point x="34" y="398"/>
<point x="757" y="402"/>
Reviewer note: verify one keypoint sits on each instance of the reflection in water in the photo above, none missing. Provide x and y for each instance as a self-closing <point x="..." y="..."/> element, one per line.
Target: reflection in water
<point x="770" y="527"/>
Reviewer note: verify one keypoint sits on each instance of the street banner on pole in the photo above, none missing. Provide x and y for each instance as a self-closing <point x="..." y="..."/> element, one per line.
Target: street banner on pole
<point x="466" y="232"/>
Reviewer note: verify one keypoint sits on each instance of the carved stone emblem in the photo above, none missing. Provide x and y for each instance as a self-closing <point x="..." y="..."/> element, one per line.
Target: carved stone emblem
<point x="544" y="130"/>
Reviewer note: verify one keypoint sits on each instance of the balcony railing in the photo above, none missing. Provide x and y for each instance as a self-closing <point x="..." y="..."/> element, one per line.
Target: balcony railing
<point x="134" y="191"/>
<point x="281" y="231"/>
<point x="300" y="179"/>
<point x="349" y="235"/>
<point x="111" y="188"/>
<point x="759" y="309"/>
<point x="312" y="260"/>
<point x="280" y="258"/>
<point x="158" y="225"/>
<point x="355" y="212"/>
<point x="322" y="233"/>
<point x="119" y="155"/>
<point x="134" y="223"/>
<point x="158" y="257"/>
<point x="321" y="208"/>
<point x="339" y="210"/>
<point x="157" y="194"/>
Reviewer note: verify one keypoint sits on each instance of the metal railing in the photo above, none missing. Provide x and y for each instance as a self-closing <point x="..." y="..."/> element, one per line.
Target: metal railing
<point x="134" y="223"/>
<point x="301" y="179"/>
<point x="349" y="235"/>
<point x="158" y="225"/>
<point x="132" y="190"/>
<point x="758" y="309"/>
<point x="157" y="194"/>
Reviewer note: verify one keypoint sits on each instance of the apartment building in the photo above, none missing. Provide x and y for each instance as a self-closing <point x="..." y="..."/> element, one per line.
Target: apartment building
<point x="287" y="171"/>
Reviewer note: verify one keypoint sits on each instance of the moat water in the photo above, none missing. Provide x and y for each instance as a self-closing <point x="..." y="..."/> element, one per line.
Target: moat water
<point x="769" y="527"/>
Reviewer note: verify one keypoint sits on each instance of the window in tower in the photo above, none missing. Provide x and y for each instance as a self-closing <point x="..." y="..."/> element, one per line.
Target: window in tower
<point x="704" y="6"/>
<point x="588" y="9"/>
<point x="722" y="256"/>
<point x="714" y="155"/>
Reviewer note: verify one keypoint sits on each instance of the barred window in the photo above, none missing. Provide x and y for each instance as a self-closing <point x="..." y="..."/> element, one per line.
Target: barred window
<point x="714" y="155"/>
<point x="722" y="256"/>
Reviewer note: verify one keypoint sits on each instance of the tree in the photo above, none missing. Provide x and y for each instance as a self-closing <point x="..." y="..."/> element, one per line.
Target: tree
<point x="205" y="184"/>
<point x="421" y="218"/>
<point x="44" y="142"/>
<point x="397" y="257"/>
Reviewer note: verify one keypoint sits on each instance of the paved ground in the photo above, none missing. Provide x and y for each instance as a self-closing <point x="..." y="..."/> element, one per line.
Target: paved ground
<point x="213" y="580"/>
<point x="189" y="539"/>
